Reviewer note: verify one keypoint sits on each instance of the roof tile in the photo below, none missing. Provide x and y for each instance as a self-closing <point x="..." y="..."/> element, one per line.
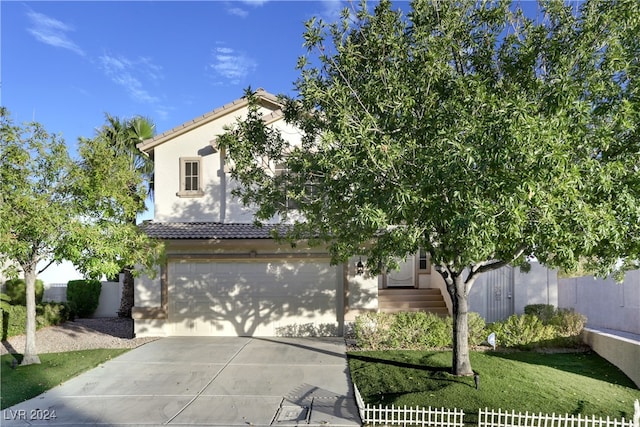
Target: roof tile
<point x="209" y="230"/>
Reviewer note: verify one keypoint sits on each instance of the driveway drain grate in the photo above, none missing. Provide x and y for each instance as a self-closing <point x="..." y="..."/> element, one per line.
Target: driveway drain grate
<point x="290" y="414"/>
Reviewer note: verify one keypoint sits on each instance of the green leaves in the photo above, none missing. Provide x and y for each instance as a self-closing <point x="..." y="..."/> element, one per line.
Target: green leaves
<point x="55" y="208"/>
<point x="464" y="128"/>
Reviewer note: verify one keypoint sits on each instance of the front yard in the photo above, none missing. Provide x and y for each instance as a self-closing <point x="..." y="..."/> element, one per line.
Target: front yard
<point x="564" y="383"/>
<point x="20" y="383"/>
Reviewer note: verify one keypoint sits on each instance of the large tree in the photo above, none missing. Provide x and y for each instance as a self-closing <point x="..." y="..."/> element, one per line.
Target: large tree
<point x="118" y="139"/>
<point x="55" y="208"/>
<point x="464" y="128"/>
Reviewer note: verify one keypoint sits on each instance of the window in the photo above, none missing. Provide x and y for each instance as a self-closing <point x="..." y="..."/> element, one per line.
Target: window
<point x="423" y="260"/>
<point x="190" y="177"/>
<point x="281" y="170"/>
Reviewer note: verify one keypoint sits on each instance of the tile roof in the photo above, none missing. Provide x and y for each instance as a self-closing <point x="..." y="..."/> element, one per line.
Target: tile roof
<point x="263" y="96"/>
<point x="209" y="230"/>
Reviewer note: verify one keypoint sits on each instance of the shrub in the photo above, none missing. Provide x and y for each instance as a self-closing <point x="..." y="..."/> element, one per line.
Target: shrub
<point x="17" y="291"/>
<point x="83" y="296"/>
<point x="568" y="322"/>
<point x="15" y="322"/>
<point x="5" y="307"/>
<point x="477" y="325"/>
<point x="14" y="317"/>
<point x="544" y="312"/>
<point x="522" y="331"/>
<point x="411" y="330"/>
<point x="372" y="329"/>
<point x="52" y="313"/>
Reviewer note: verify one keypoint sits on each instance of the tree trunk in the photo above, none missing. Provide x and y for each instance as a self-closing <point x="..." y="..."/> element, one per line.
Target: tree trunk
<point x="30" y="353"/>
<point x="126" y="300"/>
<point x="461" y="363"/>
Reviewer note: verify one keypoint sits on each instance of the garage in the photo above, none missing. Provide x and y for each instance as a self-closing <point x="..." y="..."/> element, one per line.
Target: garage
<point x="254" y="297"/>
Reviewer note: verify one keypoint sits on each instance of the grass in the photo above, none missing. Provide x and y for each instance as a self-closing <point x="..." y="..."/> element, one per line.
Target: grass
<point x="25" y="382"/>
<point x="561" y="383"/>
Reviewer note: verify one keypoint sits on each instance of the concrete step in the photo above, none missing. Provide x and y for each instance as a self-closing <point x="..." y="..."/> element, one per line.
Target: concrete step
<point x="410" y="304"/>
<point x="409" y="291"/>
<point x="394" y="300"/>
<point x="416" y="297"/>
<point x="438" y="311"/>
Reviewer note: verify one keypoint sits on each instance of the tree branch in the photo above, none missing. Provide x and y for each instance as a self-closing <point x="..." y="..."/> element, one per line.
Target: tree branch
<point x="46" y="266"/>
<point x="485" y="266"/>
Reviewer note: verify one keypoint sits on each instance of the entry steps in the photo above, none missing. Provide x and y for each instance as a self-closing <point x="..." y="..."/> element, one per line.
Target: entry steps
<point x="394" y="300"/>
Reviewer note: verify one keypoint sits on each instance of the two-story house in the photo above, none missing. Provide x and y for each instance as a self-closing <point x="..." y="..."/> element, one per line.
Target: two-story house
<point x="225" y="276"/>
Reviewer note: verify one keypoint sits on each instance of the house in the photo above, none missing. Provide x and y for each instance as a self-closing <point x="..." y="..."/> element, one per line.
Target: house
<point x="225" y="276"/>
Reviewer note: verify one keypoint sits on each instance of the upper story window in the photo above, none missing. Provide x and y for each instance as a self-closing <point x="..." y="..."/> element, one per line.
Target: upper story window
<point x="281" y="170"/>
<point x="191" y="177"/>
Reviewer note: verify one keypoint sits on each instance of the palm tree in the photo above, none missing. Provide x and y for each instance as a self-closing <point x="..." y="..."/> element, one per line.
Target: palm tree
<point x="123" y="135"/>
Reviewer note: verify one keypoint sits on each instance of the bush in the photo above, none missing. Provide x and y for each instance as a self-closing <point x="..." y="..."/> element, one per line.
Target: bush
<point x="477" y="325"/>
<point x="14" y="317"/>
<point x="411" y="330"/>
<point x="17" y="291"/>
<point x="83" y="296"/>
<point x="372" y="330"/>
<point x="15" y="322"/>
<point x="522" y="331"/>
<point x="52" y="313"/>
<point x="568" y="322"/>
<point x="5" y="307"/>
<point x="414" y="330"/>
<point x="544" y="312"/>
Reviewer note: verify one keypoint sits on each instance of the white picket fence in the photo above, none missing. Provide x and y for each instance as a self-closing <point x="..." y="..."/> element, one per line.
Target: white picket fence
<point x="433" y="417"/>
<point x="402" y="416"/>
<point x="499" y="418"/>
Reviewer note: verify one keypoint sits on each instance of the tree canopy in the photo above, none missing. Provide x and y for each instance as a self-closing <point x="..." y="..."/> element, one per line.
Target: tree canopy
<point x="465" y="128"/>
<point x="124" y="175"/>
<point x="55" y="208"/>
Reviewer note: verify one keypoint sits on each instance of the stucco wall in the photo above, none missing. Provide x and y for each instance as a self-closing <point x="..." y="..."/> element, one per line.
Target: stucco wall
<point x="362" y="290"/>
<point x="538" y="286"/>
<point x="148" y="290"/>
<point x="622" y="352"/>
<point x="606" y="303"/>
<point x="217" y="204"/>
<point x="109" y="302"/>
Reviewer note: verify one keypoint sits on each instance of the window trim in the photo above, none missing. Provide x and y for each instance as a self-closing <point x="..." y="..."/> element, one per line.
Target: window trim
<point x="288" y="204"/>
<point x="190" y="193"/>
<point x="423" y="255"/>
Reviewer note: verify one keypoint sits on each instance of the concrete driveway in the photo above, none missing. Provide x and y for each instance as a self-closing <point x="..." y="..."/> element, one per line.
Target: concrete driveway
<point x="215" y="381"/>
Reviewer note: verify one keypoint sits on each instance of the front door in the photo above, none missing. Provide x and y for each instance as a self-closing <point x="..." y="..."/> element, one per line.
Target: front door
<point x="405" y="276"/>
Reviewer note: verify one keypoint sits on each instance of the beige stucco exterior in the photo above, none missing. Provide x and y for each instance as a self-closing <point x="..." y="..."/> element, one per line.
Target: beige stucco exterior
<point x="621" y="351"/>
<point x="216" y="203"/>
<point x="179" y="300"/>
<point x="229" y="286"/>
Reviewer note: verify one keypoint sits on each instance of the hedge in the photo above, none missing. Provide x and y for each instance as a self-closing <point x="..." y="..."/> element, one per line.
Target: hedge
<point x="14" y="317"/>
<point x="412" y="330"/>
<point x="541" y="326"/>
<point x="17" y="290"/>
<point x="83" y="296"/>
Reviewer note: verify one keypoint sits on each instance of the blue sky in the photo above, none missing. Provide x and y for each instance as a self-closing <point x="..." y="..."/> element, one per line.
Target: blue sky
<point x="66" y="64"/>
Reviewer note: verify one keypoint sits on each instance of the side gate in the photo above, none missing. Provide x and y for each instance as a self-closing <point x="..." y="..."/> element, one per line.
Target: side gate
<point x="499" y="293"/>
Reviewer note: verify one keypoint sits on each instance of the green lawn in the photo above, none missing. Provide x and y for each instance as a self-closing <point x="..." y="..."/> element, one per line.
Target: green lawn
<point x="573" y="383"/>
<point x="25" y="382"/>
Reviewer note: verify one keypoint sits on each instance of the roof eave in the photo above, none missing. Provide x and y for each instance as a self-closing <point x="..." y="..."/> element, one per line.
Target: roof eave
<point x="266" y="99"/>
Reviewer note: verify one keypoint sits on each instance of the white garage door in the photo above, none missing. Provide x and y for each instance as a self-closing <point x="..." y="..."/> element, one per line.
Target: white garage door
<point x="253" y="298"/>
